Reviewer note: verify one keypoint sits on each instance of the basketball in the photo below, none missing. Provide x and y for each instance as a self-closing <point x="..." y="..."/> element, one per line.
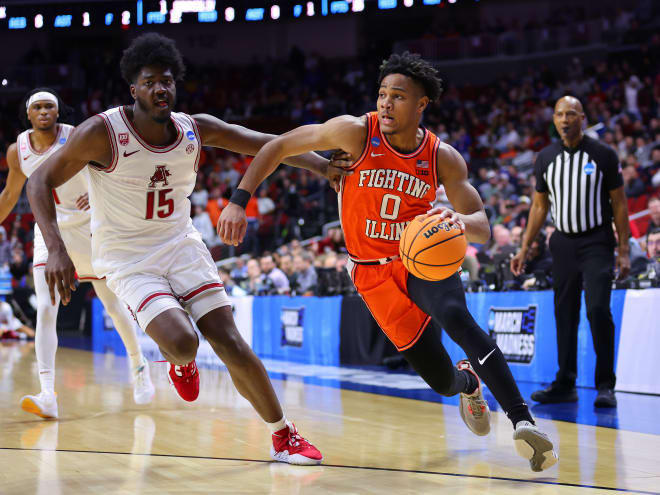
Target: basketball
<point x="432" y="248"/>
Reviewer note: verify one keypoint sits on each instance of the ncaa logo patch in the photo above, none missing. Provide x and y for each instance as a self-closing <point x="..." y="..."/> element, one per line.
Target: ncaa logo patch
<point x="589" y="168"/>
<point x="514" y="331"/>
<point x="375" y="142"/>
<point x="62" y="140"/>
<point x="190" y="135"/>
<point x="123" y="138"/>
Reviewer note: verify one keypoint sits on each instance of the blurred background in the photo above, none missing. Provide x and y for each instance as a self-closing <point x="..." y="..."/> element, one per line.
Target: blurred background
<point x="274" y="65"/>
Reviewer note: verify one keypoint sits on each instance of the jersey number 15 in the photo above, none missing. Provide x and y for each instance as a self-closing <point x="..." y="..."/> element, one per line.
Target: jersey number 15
<point x="165" y="205"/>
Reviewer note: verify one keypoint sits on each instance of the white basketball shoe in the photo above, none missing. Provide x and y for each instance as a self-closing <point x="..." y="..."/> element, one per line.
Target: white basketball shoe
<point x="533" y="444"/>
<point x="143" y="388"/>
<point x="43" y="405"/>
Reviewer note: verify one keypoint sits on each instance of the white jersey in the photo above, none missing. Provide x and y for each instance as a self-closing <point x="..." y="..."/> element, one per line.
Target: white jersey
<point x="140" y="201"/>
<point x="65" y="195"/>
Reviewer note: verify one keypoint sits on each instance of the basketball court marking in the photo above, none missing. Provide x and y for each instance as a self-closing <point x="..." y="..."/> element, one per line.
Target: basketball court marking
<point x="340" y="466"/>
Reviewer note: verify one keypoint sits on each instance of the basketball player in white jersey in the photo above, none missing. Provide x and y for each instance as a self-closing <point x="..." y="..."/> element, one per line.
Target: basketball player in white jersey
<point x="42" y="139"/>
<point x="144" y="160"/>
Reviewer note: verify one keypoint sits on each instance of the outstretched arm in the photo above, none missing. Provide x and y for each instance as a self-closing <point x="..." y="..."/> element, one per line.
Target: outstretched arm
<point x="219" y="134"/>
<point x="89" y="142"/>
<point x="346" y="132"/>
<point x="469" y="210"/>
<point x="15" y="180"/>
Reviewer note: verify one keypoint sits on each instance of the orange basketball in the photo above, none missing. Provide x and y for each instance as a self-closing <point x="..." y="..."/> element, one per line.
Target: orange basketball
<point x="432" y="248"/>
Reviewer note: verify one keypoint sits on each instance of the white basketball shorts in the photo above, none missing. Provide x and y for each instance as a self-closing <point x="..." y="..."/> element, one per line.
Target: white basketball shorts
<point x="78" y="242"/>
<point x="180" y="275"/>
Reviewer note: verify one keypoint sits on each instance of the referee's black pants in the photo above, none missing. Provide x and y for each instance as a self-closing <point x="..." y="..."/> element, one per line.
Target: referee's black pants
<point x="584" y="260"/>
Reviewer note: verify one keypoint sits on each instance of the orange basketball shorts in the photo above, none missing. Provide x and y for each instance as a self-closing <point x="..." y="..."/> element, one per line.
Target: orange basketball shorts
<point x="385" y="291"/>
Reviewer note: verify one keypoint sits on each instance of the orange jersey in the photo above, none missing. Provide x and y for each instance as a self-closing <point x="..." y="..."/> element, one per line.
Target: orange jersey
<point x="386" y="191"/>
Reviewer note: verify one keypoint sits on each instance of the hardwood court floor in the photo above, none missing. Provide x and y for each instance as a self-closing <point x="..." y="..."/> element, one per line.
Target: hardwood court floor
<point x="104" y="443"/>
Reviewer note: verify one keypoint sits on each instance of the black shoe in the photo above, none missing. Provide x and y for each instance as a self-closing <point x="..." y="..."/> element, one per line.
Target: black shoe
<point x="605" y="398"/>
<point x="555" y="393"/>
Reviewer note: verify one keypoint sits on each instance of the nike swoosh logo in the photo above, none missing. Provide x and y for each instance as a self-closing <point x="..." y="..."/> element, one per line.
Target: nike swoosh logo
<point x="26" y="157"/>
<point x="482" y="361"/>
<point x="374" y="155"/>
<point x="131" y="153"/>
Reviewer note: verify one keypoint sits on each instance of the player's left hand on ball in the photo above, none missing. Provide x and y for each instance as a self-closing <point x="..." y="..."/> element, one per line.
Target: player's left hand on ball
<point x="445" y="213"/>
<point x="337" y="166"/>
<point x="232" y="224"/>
<point x="82" y="203"/>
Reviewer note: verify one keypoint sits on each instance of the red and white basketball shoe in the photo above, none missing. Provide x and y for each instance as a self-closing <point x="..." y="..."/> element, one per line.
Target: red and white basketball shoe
<point x="185" y="380"/>
<point x="288" y="446"/>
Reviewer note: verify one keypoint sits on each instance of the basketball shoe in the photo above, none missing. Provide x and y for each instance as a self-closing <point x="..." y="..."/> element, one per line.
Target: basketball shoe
<point x="43" y="405"/>
<point x="531" y="443"/>
<point x="474" y="409"/>
<point x="143" y="389"/>
<point x="185" y="380"/>
<point x="288" y="446"/>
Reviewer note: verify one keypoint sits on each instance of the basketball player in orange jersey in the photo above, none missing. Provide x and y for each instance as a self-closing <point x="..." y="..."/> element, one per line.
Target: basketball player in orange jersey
<point x="398" y="169"/>
<point x="143" y="164"/>
<point x="39" y="113"/>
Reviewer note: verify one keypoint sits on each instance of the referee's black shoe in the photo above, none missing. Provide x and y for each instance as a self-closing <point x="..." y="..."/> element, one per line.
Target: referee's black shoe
<point x="605" y="398"/>
<point x="555" y="393"/>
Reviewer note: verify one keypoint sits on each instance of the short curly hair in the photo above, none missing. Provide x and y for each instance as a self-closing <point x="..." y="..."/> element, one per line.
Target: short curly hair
<point x="415" y="67"/>
<point x="64" y="110"/>
<point x="151" y="49"/>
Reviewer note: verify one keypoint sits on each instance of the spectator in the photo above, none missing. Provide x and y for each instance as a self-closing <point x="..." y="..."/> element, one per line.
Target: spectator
<point x="516" y="236"/>
<point x="306" y="276"/>
<point x="256" y="283"/>
<point x="653" y="252"/>
<point x="334" y="242"/>
<point x="538" y="270"/>
<point x="654" y="212"/>
<point x="200" y="195"/>
<point x="239" y="272"/>
<point x="279" y="279"/>
<point x="502" y="246"/>
<point x="633" y="185"/>
<point x="231" y="287"/>
<point x="202" y="222"/>
<point x="5" y="248"/>
<point x="19" y="265"/>
<point x="10" y="326"/>
<point x="264" y="203"/>
<point x="286" y="265"/>
<point x="653" y="244"/>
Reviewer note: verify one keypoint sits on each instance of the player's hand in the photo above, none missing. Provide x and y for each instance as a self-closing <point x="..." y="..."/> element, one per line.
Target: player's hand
<point x="337" y="166"/>
<point x="82" y="203"/>
<point x="60" y="275"/>
<point x="446" y="214"/>
<point x="623" y="265"/>
<point x="232" y="224"/>
<point x="517" y="263"/>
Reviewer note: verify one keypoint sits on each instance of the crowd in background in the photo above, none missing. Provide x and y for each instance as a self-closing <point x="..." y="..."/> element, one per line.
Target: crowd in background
<point x="498" y="128"/>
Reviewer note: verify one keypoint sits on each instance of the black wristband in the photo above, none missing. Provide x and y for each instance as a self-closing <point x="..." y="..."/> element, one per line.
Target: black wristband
<point x="240" y="197"/>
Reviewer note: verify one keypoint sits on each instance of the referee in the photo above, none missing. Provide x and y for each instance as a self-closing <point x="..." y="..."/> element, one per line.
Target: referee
<point x="579" y="179"/>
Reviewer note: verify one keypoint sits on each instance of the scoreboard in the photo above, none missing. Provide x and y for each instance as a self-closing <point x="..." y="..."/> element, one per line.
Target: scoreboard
<point x="120" y="14"/>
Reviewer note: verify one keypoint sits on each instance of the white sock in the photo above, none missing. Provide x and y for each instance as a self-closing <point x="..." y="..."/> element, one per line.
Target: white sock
<point x="124" y="322"/>
<point x="45" y="340"/>
<point x="277" y="425"/>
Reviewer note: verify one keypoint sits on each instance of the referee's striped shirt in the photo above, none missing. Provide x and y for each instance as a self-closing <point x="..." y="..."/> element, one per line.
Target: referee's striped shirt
<point x="578" y="181"/>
